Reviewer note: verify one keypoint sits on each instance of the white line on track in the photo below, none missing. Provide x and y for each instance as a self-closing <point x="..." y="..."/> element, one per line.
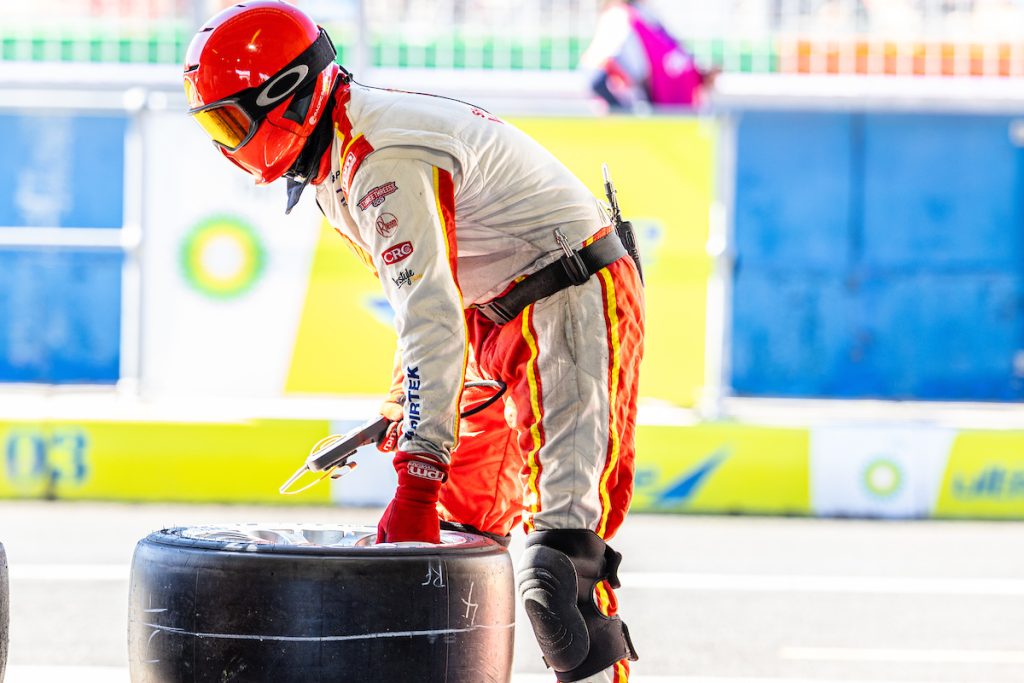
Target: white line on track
<point x="69" y="572"/>
<point x="108" y="674"/>
<point x="769" y="583"/>
<point x="754" y="583"/>
<point x="901" y="656"/>
<point x="541" y="678"/>
<point x="57" y="674"/>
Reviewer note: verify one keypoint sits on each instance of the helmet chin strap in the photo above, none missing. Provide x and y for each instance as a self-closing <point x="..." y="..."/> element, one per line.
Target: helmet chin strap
<point x="307" y="164"/>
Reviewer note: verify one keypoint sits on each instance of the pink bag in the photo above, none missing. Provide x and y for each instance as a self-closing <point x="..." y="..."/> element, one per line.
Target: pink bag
<point x="674" y="77"/>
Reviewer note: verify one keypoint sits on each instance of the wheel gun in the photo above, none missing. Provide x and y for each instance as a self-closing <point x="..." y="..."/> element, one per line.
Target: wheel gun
<point x="624" y="229"/>
<point x="331" y="456"/>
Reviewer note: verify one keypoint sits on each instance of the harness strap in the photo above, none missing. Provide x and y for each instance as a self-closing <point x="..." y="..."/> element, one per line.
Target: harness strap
<point x="553" y="278"/>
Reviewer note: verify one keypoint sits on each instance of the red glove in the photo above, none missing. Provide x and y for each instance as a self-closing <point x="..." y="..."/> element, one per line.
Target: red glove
<point x="412" y="515"/>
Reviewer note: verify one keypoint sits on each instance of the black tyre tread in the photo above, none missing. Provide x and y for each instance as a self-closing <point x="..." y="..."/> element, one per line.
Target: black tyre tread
<point x="203" y="612"/>
<point x="474" y="545"/>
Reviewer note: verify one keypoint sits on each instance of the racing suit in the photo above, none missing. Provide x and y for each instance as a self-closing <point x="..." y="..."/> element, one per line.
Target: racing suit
<point x="451" y="206"/>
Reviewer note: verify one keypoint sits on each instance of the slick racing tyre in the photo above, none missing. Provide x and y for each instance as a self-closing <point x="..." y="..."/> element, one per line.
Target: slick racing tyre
<point x="4" y="611"/>
<point x="307" y="603"/>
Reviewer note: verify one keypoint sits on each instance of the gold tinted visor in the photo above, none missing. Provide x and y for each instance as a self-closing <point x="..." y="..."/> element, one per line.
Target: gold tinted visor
<point x="226" y="124"/>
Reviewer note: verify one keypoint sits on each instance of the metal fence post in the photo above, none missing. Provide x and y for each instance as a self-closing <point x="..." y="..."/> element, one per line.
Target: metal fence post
<point x="361" y="58"/>
<point x="132" y="235"/>
<point x="722" y="250"/>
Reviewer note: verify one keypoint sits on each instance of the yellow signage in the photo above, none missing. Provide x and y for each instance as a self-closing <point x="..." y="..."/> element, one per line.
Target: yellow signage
<point x="158" y="461"/>
<point x="663" y="169"/>
<point x="984" y="476"/>
<point x="723" y="469"/>
<point x="345" y="342"/>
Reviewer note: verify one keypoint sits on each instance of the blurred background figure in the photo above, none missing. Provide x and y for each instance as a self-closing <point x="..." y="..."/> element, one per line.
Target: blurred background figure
<point x="633" y="59"/>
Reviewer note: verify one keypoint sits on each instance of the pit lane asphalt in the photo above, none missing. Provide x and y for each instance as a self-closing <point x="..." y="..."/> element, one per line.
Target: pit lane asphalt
<point x="707" y="599"/>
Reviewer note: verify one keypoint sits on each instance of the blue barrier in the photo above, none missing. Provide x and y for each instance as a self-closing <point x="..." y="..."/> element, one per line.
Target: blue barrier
<point x="62" y="171"/>
<point x="60" y="307"/>
<point x="61" y="313"/>
<point x="878" y="255"/>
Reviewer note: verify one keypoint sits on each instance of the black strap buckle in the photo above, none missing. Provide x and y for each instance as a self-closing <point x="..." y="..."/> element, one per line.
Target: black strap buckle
<point x="574" y="268"/>
<point x="496" y="313"/>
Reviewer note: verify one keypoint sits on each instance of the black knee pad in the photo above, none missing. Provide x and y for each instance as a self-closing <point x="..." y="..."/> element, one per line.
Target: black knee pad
<point x="557" y="576"/>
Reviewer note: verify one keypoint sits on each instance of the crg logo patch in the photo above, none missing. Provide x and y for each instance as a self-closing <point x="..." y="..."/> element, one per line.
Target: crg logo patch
<point x="424" y="471"/>
<point x="397" y="253"/>
<point x="377" y="195"/>
<point x="387" y="223"/>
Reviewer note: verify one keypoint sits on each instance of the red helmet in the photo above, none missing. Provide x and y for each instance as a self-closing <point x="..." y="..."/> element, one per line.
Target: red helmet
<point x="258" y="77"/>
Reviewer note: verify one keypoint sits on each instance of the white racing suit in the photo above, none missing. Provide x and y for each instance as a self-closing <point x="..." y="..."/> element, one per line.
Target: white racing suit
<point x="451" y="206"/>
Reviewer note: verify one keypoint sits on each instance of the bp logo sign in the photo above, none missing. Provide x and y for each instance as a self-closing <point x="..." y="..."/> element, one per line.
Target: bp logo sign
<point x="883" y="478"/>
<point x="222" y="257"/>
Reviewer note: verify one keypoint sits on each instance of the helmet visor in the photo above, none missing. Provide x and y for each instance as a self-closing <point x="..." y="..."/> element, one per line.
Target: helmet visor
<point x="232" y="121"/>
<point x="226" y="123"/>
